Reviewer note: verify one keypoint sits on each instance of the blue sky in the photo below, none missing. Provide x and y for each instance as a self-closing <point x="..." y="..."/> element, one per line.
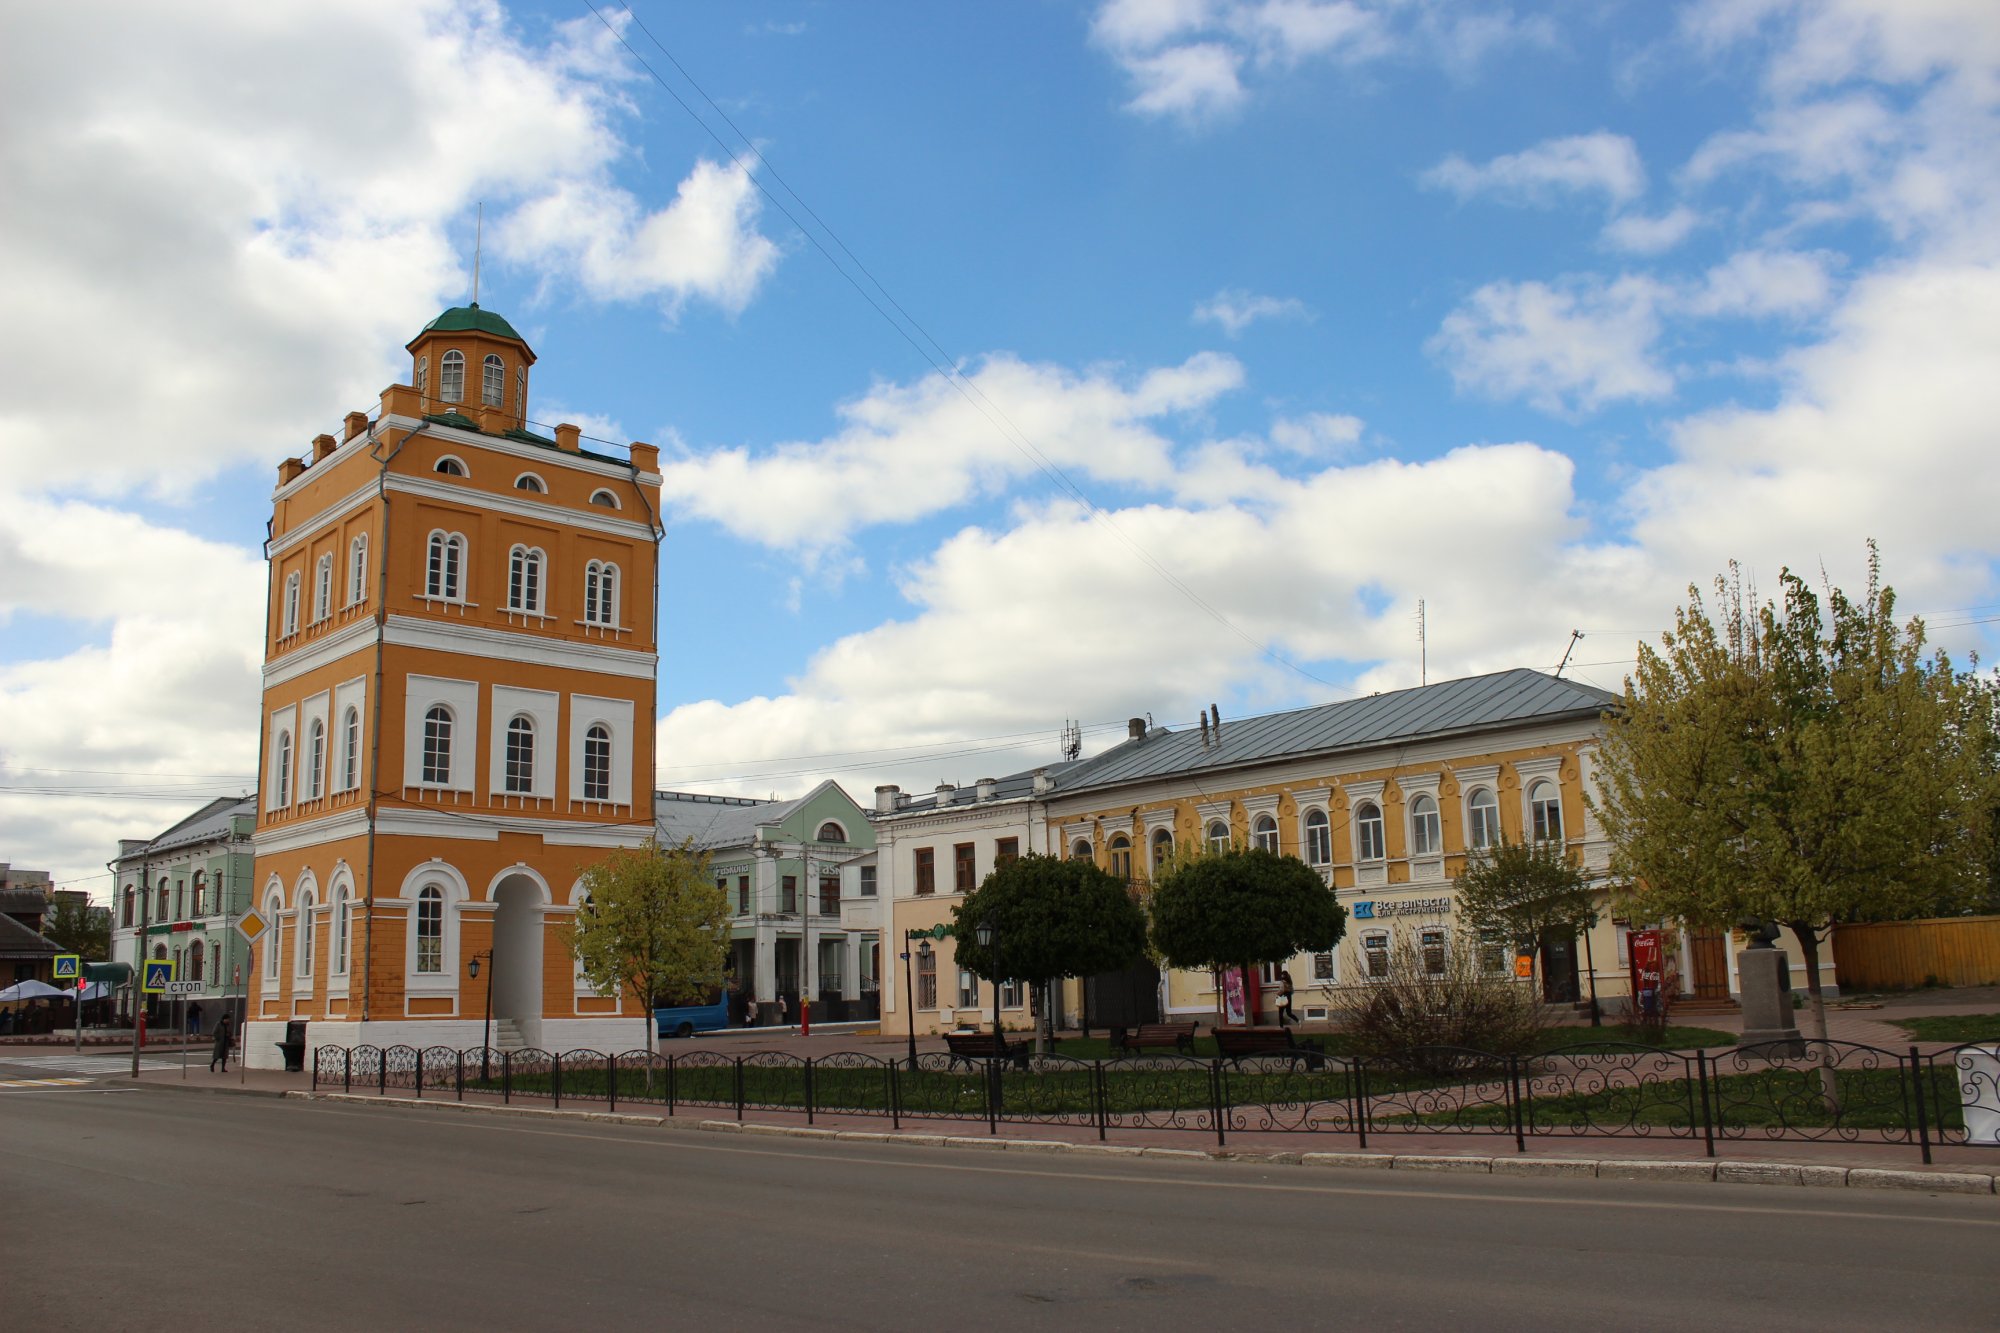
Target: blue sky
<point x="1534" y="313"/>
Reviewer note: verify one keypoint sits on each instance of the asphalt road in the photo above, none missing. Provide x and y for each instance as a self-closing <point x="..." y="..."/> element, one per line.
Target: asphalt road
<point x="196" y="1211"/>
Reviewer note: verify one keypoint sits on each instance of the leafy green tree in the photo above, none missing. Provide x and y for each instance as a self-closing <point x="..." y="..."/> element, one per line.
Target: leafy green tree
<point x="79" y="928"/>
<point x="1053" y="918"/>
<point x="655" y="927"/>
<point x="1801" y="765"/>
<point x="1240" y="907"/>
<point x="1526" y="891"/>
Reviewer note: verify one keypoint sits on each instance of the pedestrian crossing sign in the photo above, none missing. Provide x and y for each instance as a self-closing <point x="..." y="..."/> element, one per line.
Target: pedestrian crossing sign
<point x="157" y="975"/>
<point x="69" y="967"/>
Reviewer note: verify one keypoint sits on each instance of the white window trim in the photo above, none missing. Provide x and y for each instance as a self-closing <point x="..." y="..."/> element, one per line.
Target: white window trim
<point x="540" y="487"/>
<point x="357" y="570"/>
<point x="448" y="540"/>
<point x="607" y="495"/>
<point x="464" y="473"/>
<point x="445" y="981"/>
<point x="289" y="623"/>
<point x="322" y="587"/>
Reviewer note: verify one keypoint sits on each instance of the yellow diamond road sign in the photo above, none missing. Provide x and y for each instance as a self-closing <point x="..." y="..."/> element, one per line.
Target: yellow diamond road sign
<point x="250" y="926"/>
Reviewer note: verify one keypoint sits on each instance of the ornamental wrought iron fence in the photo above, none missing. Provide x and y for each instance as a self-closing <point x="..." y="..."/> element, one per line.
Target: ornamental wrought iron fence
<point x="1802" y="1090"/>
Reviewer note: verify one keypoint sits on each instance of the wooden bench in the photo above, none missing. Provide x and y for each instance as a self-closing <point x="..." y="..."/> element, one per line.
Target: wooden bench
<point x="1173" y="1036"/>
<point x="1235" y="1043"/>
<point x="965" y="1047"/>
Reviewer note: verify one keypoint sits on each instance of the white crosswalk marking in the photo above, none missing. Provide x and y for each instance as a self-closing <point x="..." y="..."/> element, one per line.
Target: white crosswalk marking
<point x="45" y="1083"/>
<point x="101" y="1065"/>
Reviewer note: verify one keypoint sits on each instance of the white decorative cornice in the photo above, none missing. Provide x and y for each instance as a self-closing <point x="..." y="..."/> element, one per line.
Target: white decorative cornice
<point x="513" y="646"/>
<point x="321" y="652"/>
<point x="517" y="504"/>
<point x="311" y="832"/>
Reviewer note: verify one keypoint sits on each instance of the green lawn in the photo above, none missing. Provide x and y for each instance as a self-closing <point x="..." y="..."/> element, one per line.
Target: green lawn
<point x="1952" y="1028"/>
<point x="1336" y="1043"/>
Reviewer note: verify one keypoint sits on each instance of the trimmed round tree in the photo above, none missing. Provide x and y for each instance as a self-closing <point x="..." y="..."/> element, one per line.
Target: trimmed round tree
<point x="1053" y="918"/>
<point x="1242" y="907"/>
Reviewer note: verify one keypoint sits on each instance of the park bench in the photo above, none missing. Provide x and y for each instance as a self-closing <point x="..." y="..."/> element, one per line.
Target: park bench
<point x="965" y="1047"/>
<point x="1235" y="1043"/>
<point x="1173" y="1036"/>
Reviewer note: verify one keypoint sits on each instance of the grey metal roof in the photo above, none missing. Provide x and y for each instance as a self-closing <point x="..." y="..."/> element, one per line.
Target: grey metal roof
<point x="1470" y="704"/>
<point x="18" y="941"/>
<point x="1012" y="787"/>
<point x="208" y="824"/>
<point x="714" y="821"/>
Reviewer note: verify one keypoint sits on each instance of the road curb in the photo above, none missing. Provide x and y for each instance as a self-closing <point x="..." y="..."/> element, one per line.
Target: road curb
<point x="1622" y="1169"/>
<point x="225" y="1092"/>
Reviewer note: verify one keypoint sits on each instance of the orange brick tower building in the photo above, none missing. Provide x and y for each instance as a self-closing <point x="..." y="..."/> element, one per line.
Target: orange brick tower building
<point x="459" y="681"/>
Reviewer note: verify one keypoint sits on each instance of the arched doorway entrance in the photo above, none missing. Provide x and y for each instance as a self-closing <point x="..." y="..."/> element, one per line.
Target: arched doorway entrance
<point x="517" y="957"/>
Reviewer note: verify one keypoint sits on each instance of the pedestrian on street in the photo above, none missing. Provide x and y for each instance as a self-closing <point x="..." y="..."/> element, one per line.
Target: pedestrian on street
<point x="223" y="1041"/>
<point x="194" y="1019"/>
<point x="750" y="1012"/>
<point x="1285" y="1014"/>
<point x="781" y="1011"/>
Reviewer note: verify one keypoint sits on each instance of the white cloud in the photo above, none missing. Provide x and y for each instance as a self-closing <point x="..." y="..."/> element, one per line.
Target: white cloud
<point x="1636" y="233"/>
<point x="1763" y="282"/>
<point x="1563" y="349"/>
<point x="1187" y="58"/>
<point x="1599" y="163"/>
<point x="906" y="451"/>
<point x="1236" y="310"/>
<point x="1315" y="433"/>
<point x="248" y="221"/>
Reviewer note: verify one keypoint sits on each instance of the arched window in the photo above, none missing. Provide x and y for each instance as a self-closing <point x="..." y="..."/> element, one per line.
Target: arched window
<point x="194" y="960"/>
<point x="1121" y="856"/>
<point x="283" y="784"/>
<point x="520" y="391"/>
<point x="604" y="499"/>
<point x="1163" y="847"/>
<point x="271" y="938"/>
<point x="830" y="832"/>
<point x="1218" y="835"/>
<point x="1425" y="834"/>
<point x="339" y="929"/>
<point x="357" y="570"/>
<point x="1368" y="841"/>
<point x="1545" y="812"/>
<point x="519" y="775"/>
<point x="524" y="580"/>
<point x="162" y="914"/>
<point x="1482" y="819"/>
<point x="350" y="749"/>
<point x="597" y="763"/>
<point x="323" y="587"/>
<point x="445" y="571"/>
<point x="449" y="467"/>
<point x="315" y="760"/>
<point x="291" y="604"/>
<point x="600" y="593"/>
<point x="197" y="892"/>
<point x="1080" y="850"/>
<point x="1319" y="839"/>
<point x="492" y="381"/>
<point x="130" y="897"/>
<point x="528" y="481"/>
<point x="430" y="930"/>
<point x="1264" y="833"/>
<point x="437" y="745"/>
<point x="423" y="379"/>
<point x="451" y="377"/>
<point x="305" y="936"/>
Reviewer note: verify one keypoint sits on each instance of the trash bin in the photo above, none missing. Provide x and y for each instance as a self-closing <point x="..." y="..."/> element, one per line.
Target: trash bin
<point x="1979" y="1093"/>
<point x="294" y="1046"/>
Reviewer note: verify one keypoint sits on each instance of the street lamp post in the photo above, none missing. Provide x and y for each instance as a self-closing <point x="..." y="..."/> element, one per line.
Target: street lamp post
<point x="909" y="1001"/>
<point x="486" y="1027"/>
<point x="988" y="936"/>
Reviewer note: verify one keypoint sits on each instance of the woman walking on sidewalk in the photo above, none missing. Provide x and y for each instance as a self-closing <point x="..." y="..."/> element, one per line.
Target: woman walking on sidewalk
<point x="222" y="1045"/>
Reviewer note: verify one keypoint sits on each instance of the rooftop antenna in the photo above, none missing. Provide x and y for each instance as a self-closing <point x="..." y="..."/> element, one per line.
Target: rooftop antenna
<point x="1423" y="648"/>
<point x="1072" y="739"/>
<point x="1574" y="635"/>
<point x="478" y="244"/>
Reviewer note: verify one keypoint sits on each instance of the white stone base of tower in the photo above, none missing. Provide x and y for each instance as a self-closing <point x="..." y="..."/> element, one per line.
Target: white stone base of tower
<point x="611" y="1036"/>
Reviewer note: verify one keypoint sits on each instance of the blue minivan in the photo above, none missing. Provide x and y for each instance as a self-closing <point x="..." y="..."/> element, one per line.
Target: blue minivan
<point x="688" y="1019"/>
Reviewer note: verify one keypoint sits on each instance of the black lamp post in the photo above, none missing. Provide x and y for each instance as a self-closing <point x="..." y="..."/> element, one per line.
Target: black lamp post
<point x="486" y="1028"/>
<point x="909" y="1001"/>
<point x="988" y="936"/>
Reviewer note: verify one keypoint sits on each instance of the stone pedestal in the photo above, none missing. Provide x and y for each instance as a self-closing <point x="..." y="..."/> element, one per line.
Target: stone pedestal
<point x="1763" y="976"/>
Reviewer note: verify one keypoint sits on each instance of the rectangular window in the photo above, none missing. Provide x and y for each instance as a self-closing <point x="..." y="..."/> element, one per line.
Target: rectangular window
<point x="1431" y="945"/>
<point x="788" y="894"/>
<point x="743" y="894"/>
<point x="1006" y="852"/>
<point x="962" y="868"/>
<point x="829" y="895"/>
<point x="926" y="871"/>
<point x="1010" y="993"/>
<point x="1323" y="966"/>
<point x="926" y="979"/>
<point x="1375" y="951"/>
<point x="968" y="990"/>
<point x="868" y="881"/>
<point x="1493" y="953"/>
